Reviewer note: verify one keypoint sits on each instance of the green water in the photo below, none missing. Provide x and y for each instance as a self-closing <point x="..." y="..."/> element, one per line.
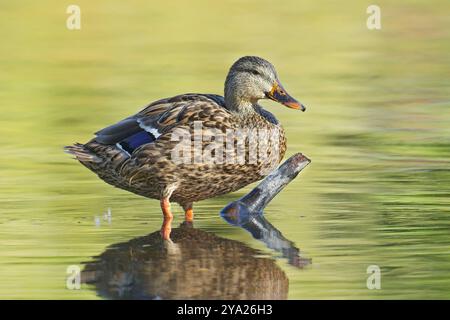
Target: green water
<point x="377" y="131"/>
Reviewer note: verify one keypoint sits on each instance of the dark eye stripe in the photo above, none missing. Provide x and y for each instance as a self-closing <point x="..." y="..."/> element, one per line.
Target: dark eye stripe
<point x="252" y="71"/>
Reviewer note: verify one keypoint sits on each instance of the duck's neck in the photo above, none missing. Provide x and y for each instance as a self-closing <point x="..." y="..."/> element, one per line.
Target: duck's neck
<point x="241" y="107"/>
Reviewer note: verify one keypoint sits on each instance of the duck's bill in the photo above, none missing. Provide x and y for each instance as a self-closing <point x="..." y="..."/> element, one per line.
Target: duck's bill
<point x="280" y="95"/>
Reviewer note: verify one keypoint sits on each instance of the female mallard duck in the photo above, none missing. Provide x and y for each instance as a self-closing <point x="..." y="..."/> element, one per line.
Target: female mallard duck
<point x="141" y="153"/>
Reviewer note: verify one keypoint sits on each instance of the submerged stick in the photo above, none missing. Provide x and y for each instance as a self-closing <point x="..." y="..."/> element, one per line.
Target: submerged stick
<point x="256" y="200"/>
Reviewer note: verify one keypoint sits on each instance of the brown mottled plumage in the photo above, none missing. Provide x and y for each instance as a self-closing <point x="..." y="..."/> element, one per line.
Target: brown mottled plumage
<point x="136" y="153"/>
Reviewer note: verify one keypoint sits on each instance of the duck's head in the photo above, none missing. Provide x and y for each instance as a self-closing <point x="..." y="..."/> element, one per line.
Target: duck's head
<point x="251" y="79"/>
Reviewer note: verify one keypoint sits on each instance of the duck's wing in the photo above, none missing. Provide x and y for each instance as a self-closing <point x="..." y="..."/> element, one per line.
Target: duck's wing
<point x="158" y="118"/>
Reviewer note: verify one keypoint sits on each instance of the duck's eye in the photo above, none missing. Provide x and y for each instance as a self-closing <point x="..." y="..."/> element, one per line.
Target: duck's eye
<point x="255" y="72"/>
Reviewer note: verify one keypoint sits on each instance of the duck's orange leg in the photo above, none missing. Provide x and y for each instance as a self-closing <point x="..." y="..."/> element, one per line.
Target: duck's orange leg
<point x="168" y="217"/>
<point x="188" y="213"/>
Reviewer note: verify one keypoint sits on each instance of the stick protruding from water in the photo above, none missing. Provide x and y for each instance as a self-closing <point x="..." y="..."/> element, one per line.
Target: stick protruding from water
<point x="256" y="200"/>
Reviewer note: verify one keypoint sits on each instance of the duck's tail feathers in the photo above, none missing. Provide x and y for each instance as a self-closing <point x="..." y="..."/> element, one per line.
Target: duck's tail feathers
<point x="82" y="153"/>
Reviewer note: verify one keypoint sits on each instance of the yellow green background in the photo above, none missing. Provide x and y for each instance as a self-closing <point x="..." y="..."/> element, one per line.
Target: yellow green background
<point x="377" y="130"/>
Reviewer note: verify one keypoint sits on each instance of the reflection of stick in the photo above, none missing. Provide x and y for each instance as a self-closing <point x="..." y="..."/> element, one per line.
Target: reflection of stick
<point x="255" y="201"/>
<point x="262" y="230"/>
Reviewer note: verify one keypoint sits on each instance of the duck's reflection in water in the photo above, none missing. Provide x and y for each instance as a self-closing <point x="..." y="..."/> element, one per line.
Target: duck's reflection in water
<point x="197" y="265"/>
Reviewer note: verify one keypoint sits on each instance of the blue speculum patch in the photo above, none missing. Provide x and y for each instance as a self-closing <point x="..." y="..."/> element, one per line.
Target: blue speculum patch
<point x="136" y="140"/>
